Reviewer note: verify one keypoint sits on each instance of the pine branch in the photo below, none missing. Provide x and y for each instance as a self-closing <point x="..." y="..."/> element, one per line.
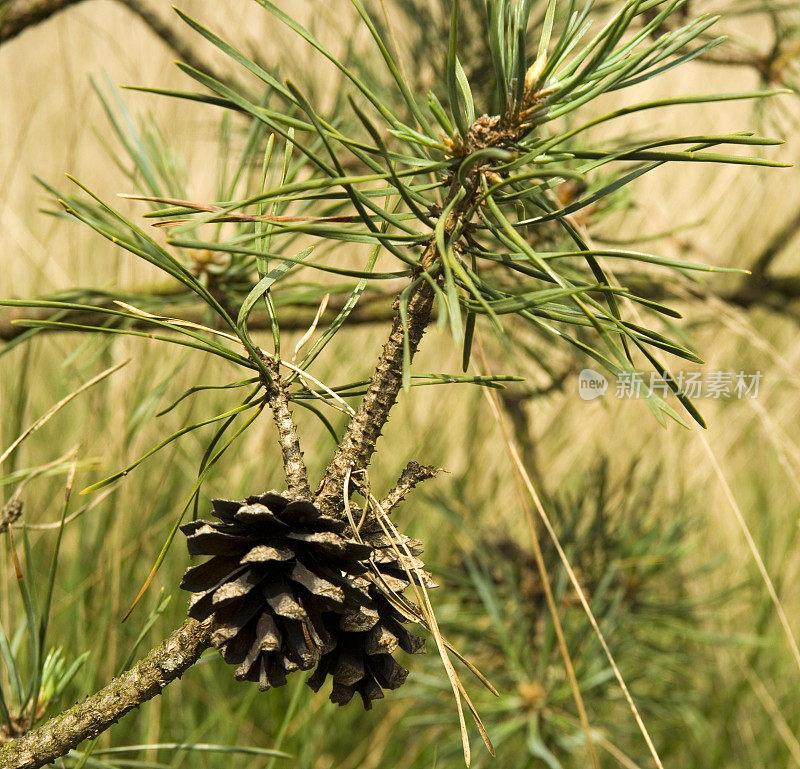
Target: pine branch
<point x="98" y="712"/>
<point x="373" y="307"/>
<point x="358" y="444"/>
<point x="293" y="465"/>
<point x="470" y="148"/>
<point x="17" y="15"/>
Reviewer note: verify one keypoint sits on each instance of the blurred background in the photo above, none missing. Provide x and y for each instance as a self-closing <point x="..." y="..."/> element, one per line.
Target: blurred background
<point x="652" y="519"/>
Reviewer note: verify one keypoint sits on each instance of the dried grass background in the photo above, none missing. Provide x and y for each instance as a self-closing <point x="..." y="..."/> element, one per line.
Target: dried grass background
<point x="48" y="115"/>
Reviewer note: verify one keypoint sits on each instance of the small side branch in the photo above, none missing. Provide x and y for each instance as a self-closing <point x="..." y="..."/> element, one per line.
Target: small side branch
<point x="293" y="464"/>
<point x="98" y="712"/>
<point x="413" y="474"/>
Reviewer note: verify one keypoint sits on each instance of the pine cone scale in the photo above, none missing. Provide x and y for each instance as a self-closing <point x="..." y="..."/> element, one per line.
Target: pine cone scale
<point x="267" y="553"/>
<point x="281" y="598"/>
<point x="316" y="584"/>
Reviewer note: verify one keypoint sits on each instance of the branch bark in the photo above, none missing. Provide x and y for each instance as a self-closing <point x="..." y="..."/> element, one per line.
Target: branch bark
<point x="372" y="308"/>
<point x="98" y="712"/>
<point x="293" y="465"/>
<point x="21" y="14"/>
<point x="413" y="474"/>
<point x="358" y="444"/>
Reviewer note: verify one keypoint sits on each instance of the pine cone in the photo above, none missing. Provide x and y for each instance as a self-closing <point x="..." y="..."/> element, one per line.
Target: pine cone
<point x="288" y="590"/>
<point x="362" y="659"/>
<point x="369" y="633"/>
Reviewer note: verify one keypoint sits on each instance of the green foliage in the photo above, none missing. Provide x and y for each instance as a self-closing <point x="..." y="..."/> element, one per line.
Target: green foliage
<point x="381" y="172"/>
<point x="492" y="165"/>
<point x="35" y="676"/>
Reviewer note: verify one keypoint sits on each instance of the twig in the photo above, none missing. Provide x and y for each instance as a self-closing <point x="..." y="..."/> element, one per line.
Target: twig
<point x="374" y="307"/>
<point x="98" y="712"/>
<point x="776" y="244"/>
<point x="293" y="465"/>
<point x="413" y="474"/>
<point x="18" y="15"/>
<point x="358" y="444"/>
<point x="771" y="292"/>
<point x="168" y="34"/>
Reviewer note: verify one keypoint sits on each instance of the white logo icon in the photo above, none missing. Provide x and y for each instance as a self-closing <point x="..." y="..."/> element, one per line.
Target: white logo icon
<point x="591" y="385"/>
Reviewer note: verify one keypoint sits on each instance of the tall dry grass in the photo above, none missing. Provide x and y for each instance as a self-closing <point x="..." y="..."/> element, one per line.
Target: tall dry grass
<point x="47" y="126"/>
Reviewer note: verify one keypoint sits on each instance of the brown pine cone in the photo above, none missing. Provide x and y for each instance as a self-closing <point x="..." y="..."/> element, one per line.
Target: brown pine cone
<point x="362" y="659"/>
<point x="370" y="632"/>
<point x="288" y="590"/>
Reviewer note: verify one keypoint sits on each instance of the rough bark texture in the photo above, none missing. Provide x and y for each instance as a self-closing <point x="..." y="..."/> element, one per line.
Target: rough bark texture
<point x="413" y="474"/>
<point x="293" y="465"/>
<point x="97" y="713"/>
<point x="358" y="444"/>
<point x="356" y="448"/>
